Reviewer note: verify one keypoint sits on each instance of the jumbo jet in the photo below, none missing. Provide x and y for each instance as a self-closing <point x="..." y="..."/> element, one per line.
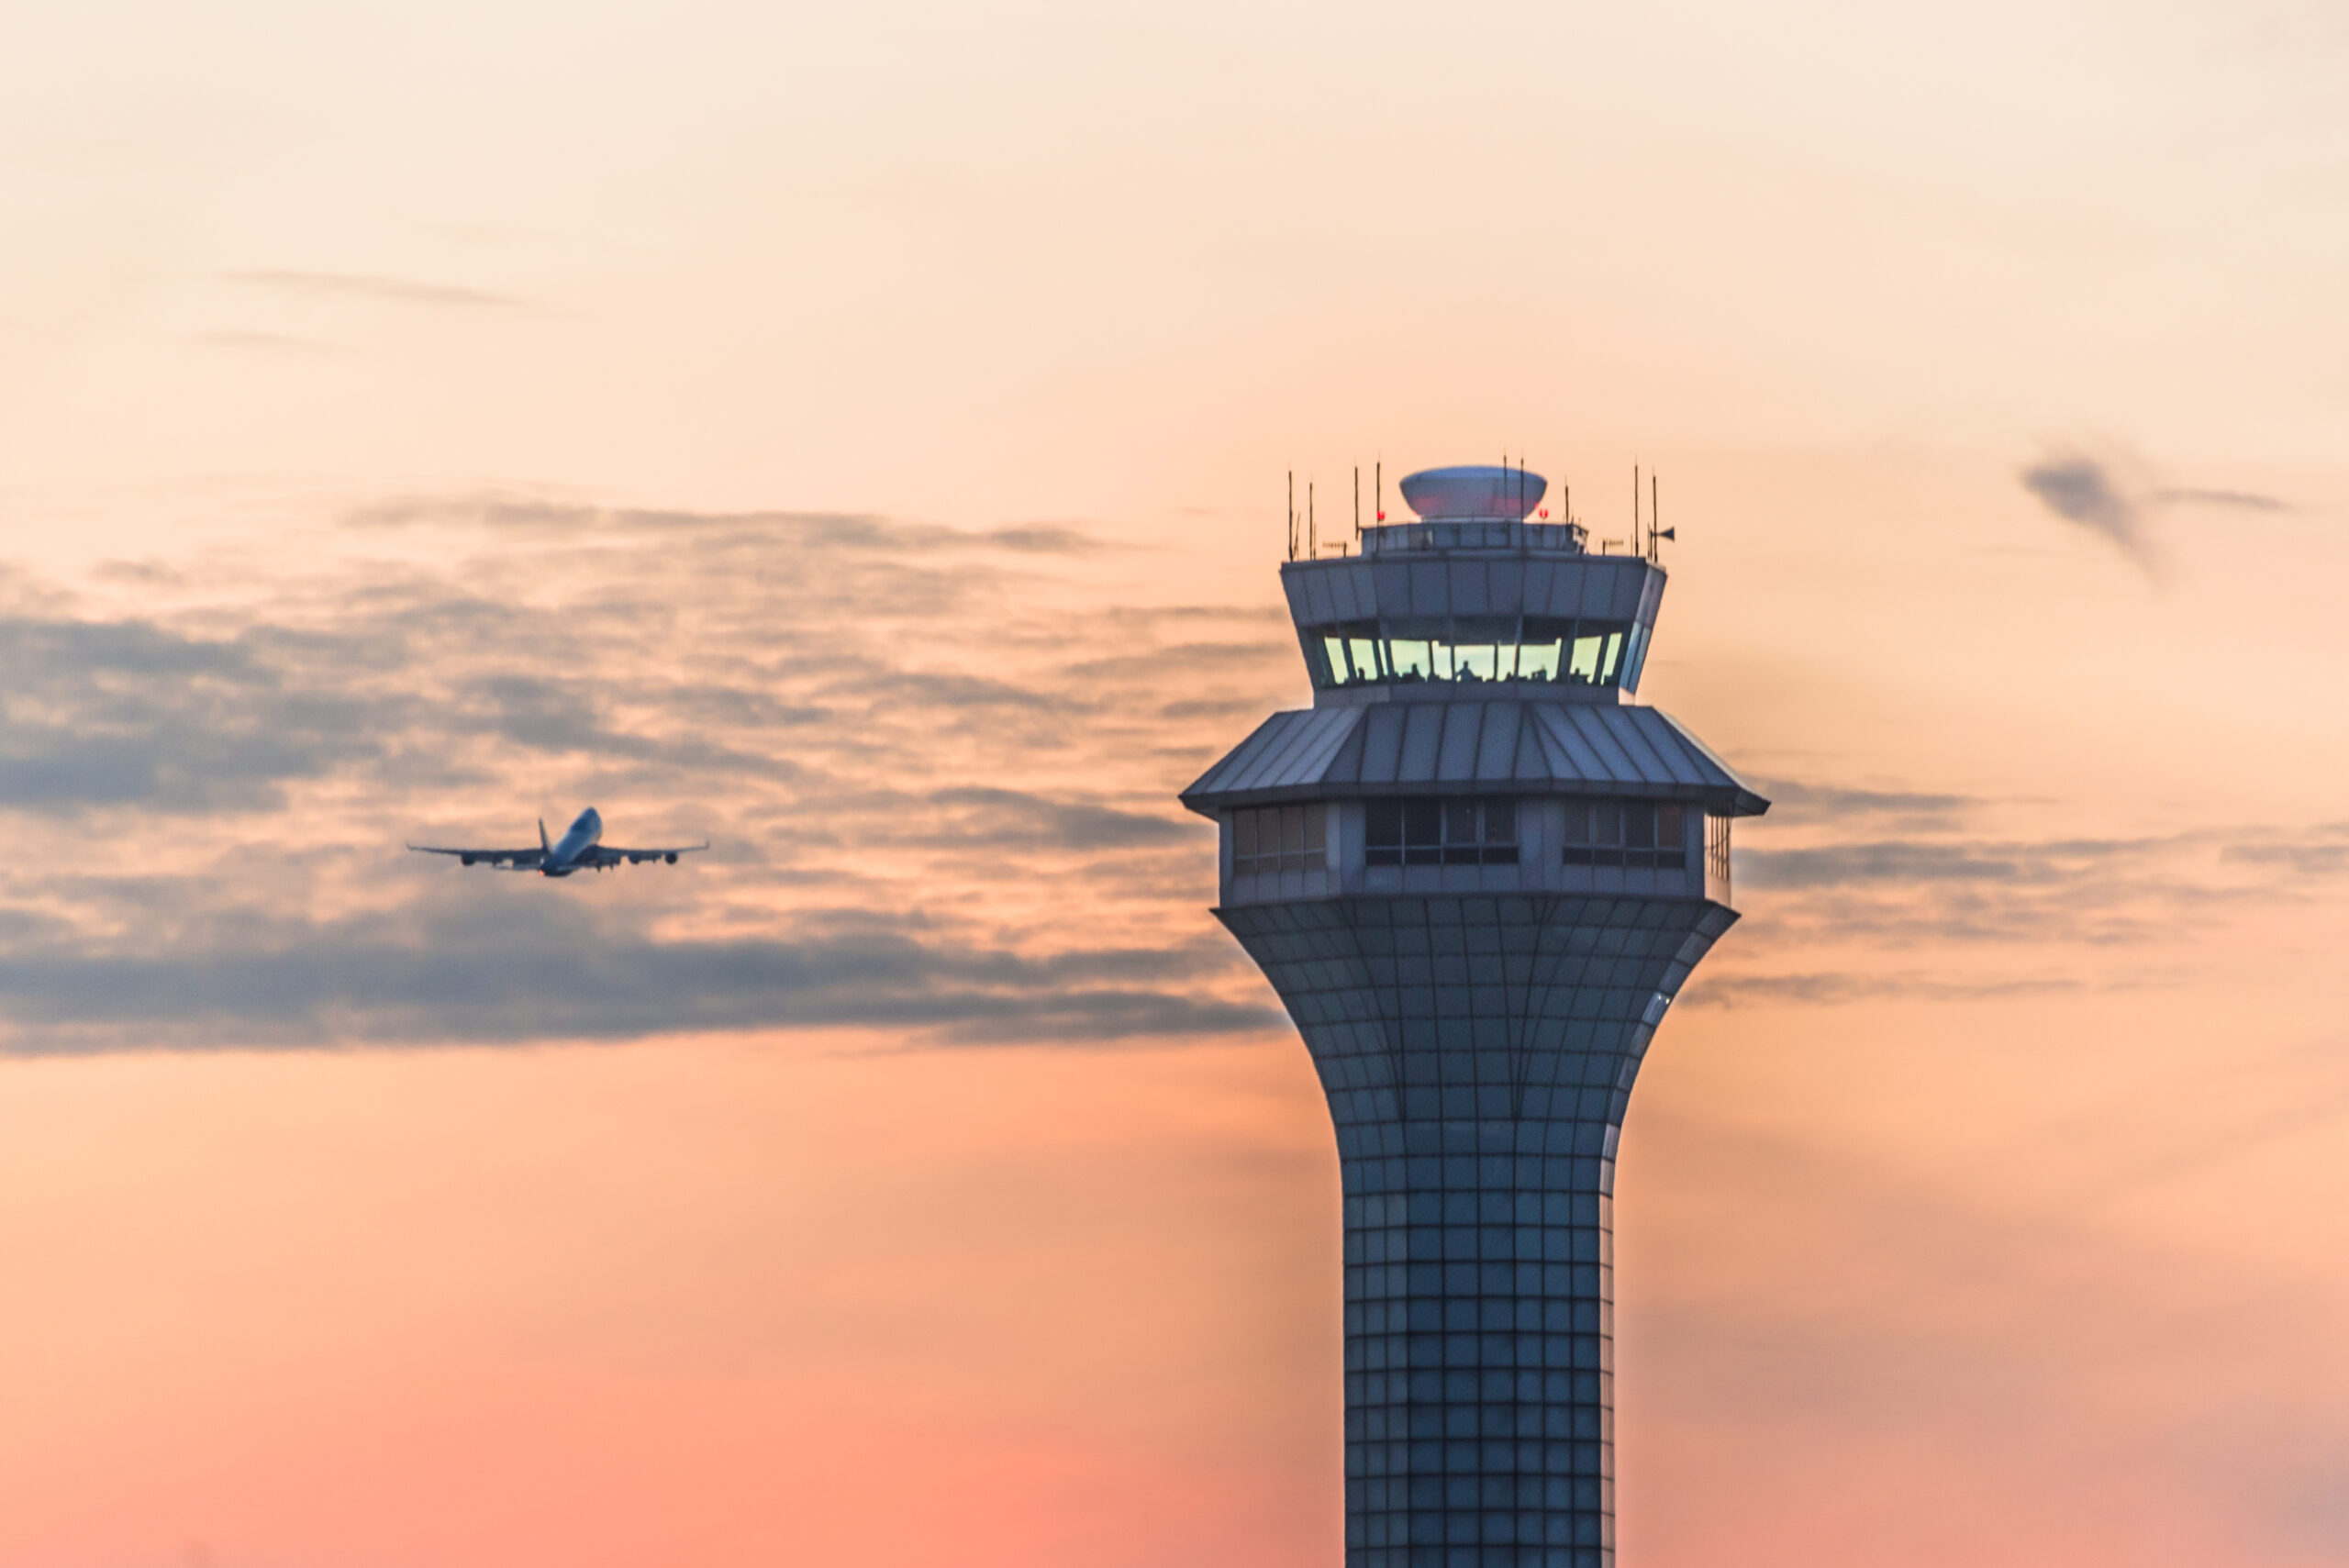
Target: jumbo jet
<point x="580" y="848"/>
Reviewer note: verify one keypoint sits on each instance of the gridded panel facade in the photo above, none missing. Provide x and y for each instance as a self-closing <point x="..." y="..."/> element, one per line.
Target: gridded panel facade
<point x="1477" y="1054"/>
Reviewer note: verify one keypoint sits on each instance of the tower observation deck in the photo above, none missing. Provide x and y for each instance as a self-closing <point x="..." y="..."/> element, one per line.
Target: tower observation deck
<point x="1476" y="872"/>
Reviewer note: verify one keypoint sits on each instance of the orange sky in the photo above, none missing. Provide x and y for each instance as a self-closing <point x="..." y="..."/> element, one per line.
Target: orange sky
<point x="860" y="436"/>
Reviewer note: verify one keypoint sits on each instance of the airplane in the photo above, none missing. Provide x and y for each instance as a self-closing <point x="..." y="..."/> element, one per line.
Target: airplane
<point x="579" y="849"/>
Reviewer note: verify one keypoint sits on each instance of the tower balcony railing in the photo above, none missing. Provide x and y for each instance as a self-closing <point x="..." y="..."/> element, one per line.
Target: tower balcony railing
<point x="1476" y="533"/>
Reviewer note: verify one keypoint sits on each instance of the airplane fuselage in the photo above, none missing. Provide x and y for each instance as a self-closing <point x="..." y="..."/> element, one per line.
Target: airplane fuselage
<point x="562" y="856"/>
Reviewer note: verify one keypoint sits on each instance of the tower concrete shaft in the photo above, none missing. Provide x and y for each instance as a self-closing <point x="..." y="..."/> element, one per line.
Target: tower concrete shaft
<point x="1476" y="876"/>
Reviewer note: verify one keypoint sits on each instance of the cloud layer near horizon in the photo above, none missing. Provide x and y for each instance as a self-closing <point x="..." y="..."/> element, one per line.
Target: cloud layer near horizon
<point x="906" y="743"/>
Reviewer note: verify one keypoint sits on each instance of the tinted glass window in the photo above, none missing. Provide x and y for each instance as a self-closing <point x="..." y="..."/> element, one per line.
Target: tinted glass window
<point x="1625" y="833"/>
<point x="1280" y="838"/>
<point x="1425" y="831"/>
<point x="1470" y="648"/>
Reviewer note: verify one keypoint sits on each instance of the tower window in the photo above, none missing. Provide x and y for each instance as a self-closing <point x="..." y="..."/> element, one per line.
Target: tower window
<point x="1426" y="830"/>
<point x="1280" y="838"/>
<point x="1472" y="647"/>
<point x="1626" y="833"/>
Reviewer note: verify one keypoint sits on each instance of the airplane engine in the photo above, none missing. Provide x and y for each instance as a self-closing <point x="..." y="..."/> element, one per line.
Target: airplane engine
<point x="670" y="859"/>
<point x="465" y="860"/>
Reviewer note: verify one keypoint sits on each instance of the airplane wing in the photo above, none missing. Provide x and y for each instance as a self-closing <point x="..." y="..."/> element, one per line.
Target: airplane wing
<point x="503" y="860"/>
<point x="611" y="855"/>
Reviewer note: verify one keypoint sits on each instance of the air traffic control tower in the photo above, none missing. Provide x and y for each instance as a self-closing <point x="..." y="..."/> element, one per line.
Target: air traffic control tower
<point x="1477" y="872"/>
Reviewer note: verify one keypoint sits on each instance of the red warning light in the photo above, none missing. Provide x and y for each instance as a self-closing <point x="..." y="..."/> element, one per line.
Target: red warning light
<point x="1382" y="517"/>
<point x="1544" y="512"/>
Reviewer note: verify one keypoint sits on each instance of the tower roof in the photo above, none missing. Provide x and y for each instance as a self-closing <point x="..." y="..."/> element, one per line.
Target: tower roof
<point x="1461" y="746"/>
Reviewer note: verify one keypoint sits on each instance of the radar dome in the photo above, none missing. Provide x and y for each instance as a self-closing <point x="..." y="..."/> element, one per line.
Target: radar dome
<point x="1476" y="492"/>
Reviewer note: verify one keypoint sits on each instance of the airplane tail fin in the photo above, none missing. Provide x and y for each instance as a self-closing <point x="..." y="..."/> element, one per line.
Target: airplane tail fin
<point x="544" y="845"/>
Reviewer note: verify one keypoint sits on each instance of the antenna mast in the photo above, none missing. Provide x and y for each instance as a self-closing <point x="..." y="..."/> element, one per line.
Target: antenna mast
<point x="1292" y="514"/>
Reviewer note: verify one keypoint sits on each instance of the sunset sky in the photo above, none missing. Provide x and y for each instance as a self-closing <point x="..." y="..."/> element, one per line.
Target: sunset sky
<point x="859" y="435"/>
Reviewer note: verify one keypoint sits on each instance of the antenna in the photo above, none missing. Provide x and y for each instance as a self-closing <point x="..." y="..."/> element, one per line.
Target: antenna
<point x="1652" y="554"/>
<point x="1312" y="528"/>
<point x="1292" y="514"/>
<point x="1378" y="488"/>
<point x="1357" y="500"/>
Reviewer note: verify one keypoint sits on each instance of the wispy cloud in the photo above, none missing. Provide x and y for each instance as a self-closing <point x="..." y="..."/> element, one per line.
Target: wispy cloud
<point x="1919" y="863"/>
<point x="358" y="286"/>
<point x="269" y="343"/>
<point x="1046" y="539"/>
<point x="1982" y="889"/>
<point x="129" y="712"/>
<point x="1868" y="872"/>
<point x="1796" y="800"/>
<point x="1834" y="989"/>
<point x="978" y="815"/>
<point x="2237" y="500"/>
<point x="818" y="531"/>
<point x="2084" y="490"/>
<point x="2108" y="496"/>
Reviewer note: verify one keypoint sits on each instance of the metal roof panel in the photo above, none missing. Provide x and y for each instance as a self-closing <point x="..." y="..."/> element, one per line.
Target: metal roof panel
<point x="1496" y="752"/>
<point x="1463" y="727"/>
<point x="1263" y="748"/>
<point x="1539" y="576"/>
<point x="1631" y="588"/>
<point x="1570" y="754"/>
<point x="1341" y="595"/>
<point x="1646" y="757"/>
<point x="1317" y="595"/>
<point x="1379" y="748"/>
<point x="1382" y="744"/>
<point x="1306" y="755"/>
<point x="1750" y="802"/>
<point x="1671" y="750"/>
<point x="1596" y="592"/>
<point x="1505" y="580"/>
<point x="1614" y="764"/>
<point x="1431" y="589"/>
<point x="1423" y="739"/>
<point x="1469" y="595"/>
<point x="1532" y="761"/>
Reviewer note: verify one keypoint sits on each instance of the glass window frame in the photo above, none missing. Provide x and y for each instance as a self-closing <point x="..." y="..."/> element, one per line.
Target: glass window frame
<point x="1440" y="829"/>
<point x="1294" y="838"/>
<point x="1632" y="831"/>
<point x="1591" y="654"/>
